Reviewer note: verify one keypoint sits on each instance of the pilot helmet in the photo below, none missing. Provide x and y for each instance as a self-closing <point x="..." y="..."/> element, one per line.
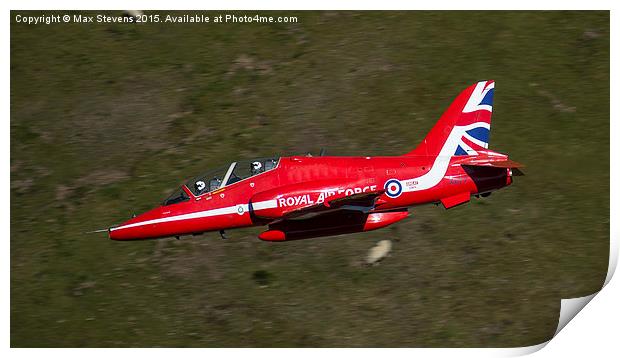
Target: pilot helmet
<point x="256" y="167"/>
<point x="200" y="185"/>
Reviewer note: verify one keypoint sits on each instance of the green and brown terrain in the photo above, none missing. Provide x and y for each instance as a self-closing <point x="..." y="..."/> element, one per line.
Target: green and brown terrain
<point x="108" y="119"/>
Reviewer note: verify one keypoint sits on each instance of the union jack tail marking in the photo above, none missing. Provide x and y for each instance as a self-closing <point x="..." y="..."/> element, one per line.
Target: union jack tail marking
<point x="468" y="120"/>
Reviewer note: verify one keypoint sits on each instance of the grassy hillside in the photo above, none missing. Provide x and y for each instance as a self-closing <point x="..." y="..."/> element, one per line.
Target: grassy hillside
<point x="107" y="119"/>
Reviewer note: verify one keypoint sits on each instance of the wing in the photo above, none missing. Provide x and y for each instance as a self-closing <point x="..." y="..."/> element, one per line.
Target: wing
<point x="363" y="202"/>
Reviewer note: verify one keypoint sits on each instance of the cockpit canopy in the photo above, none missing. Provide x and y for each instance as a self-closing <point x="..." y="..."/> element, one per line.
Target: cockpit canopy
<point x="223" y="176"/>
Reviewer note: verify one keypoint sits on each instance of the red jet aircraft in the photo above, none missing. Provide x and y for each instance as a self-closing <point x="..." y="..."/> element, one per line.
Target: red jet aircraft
<point x="302" y="197"/>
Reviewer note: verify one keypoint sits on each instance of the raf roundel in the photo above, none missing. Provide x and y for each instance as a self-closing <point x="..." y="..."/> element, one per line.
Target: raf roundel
<point x="393" y="188"/>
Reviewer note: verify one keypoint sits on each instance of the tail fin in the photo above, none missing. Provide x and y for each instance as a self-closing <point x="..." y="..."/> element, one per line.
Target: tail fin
<point x="464" y="127"/>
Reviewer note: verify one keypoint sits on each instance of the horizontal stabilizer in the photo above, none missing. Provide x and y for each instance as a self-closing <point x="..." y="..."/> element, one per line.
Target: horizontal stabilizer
<point x="496" y="164"/>
<point x="488" y="159"/>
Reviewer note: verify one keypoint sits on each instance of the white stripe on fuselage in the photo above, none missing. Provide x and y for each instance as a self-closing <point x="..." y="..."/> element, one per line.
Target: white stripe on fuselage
<point x="440" y="166"/>
<point x="268" y="204"/>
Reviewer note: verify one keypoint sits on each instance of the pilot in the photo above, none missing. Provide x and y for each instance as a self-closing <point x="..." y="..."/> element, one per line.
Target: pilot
<point x="256" y="167"/>
<point x="214" y="184"/>
<point x="199" y="185"/>
<point x="270" y="164"/>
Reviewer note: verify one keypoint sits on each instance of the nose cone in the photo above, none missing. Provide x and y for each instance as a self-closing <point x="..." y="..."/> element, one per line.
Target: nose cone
<point x="143" y="226"/>
<point x="114" y="234"/>
<point x="120" y="233"/>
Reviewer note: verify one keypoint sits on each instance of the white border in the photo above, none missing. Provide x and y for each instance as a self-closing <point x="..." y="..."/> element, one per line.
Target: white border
<point x="594" y="330"/>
